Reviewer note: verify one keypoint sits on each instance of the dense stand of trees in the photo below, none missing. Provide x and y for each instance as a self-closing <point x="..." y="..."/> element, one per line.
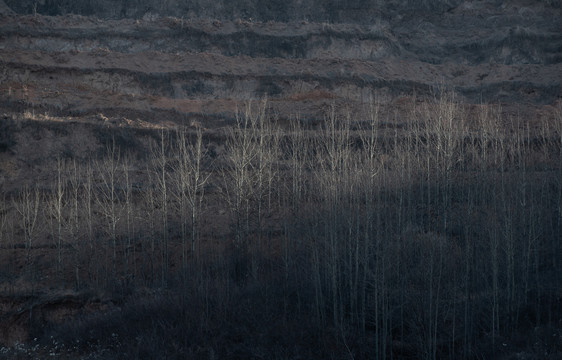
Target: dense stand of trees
<point x="434" y="239"/>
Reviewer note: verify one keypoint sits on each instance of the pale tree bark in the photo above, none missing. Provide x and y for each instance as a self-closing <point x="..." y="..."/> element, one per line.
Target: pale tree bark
<point x="75" y="225"/>
<point x="129" y="251"/>
<point x="162" y="192"/>
<point x="239" y="175"/>
<point x="190" y="184"/>
<point x="88" y="214"/>
<point x="107" y="196"/>
<point x="27" y="206"/>
<point x="267" y="141"/>
<point x="57" y="208"/>
<point x="150" y="212"/>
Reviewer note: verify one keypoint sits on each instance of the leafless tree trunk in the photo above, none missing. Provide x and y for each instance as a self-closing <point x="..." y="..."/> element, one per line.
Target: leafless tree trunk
<point x="88" y="213"/>
<point x="150" y="212"/>
<point x="190" y="181"/>
<point x="57" y="205"/>
<point x="27" y="207"/>
<point x="74" y="223"/>
<point x="160" y="159"/>
<point x="107" y="196"/>
<point x="129" y="251"/>
<point x="239" y="177"/>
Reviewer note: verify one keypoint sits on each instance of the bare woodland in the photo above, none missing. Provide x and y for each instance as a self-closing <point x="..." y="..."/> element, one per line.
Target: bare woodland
<point x="436" y="237"/>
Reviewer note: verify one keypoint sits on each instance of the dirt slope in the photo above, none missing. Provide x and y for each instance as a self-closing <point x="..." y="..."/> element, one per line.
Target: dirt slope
<point x="157" y="70"/>
<point x="203" y="68"/>
<point x="4" y="9"/>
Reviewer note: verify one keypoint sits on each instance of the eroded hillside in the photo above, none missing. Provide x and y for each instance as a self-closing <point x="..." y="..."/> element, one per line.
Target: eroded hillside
<point x="74" y="65"/>
<point x="154" y="69"/>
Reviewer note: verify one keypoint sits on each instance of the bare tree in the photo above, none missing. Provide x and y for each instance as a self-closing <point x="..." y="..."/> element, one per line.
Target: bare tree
<point x="27" y="207"/>
<point x="150" y="213"/>
<point x="160" y="169"/>
<point x="107" y="196"/>
<point x="88" y="215"/>
<point x="57" y="207"/>
<point x="239" y="176"/>
<point x="190" y="181"/>
<point x="74" y="223"/>
<point x="129" y="218"/>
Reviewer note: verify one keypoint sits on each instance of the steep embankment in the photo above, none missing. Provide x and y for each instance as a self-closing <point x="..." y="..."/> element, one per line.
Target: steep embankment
<point x="74" y="65"/>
